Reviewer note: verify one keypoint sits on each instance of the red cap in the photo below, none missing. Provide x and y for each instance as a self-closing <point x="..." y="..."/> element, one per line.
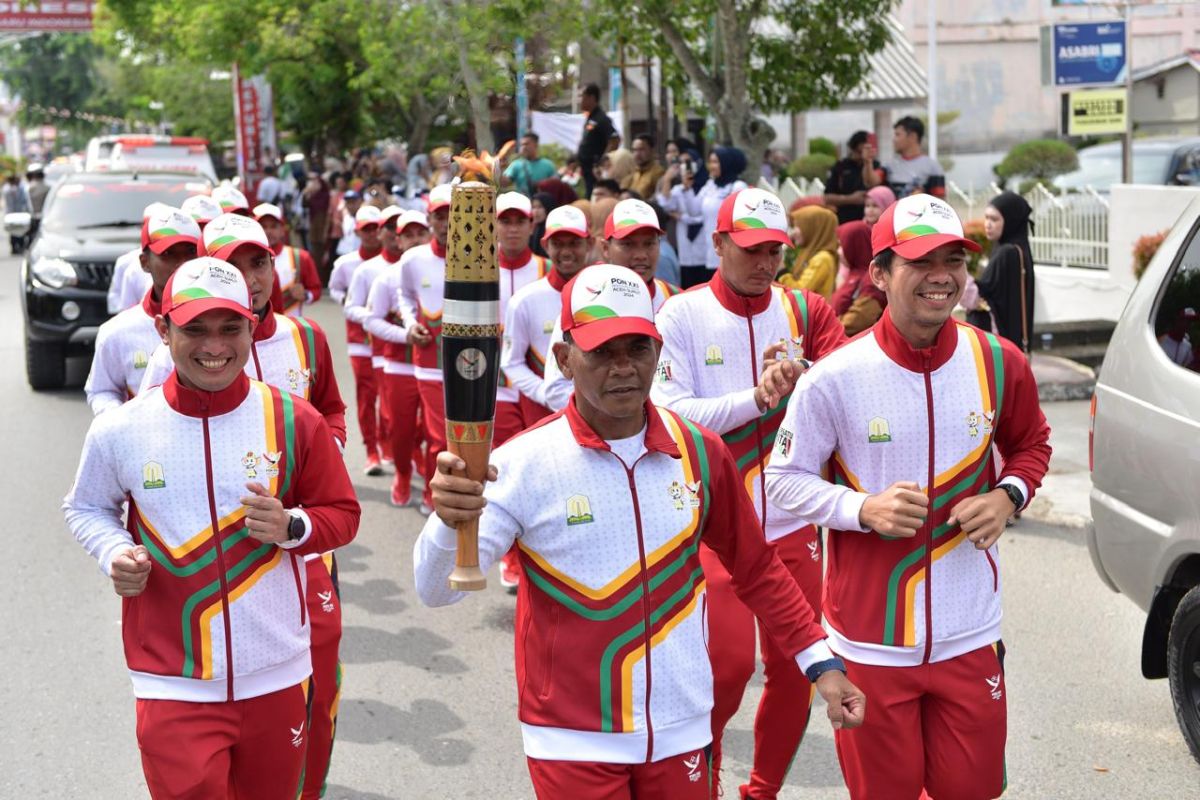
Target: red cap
<point x="916" y="225"/>
<point x="605" y="301"/>
<point x="753" y="216"/>
<point x="204" y="284"/>
<point x="628" y="217"/>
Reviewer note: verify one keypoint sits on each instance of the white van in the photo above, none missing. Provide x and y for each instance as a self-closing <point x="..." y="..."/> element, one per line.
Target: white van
<point x="135" y="152"/>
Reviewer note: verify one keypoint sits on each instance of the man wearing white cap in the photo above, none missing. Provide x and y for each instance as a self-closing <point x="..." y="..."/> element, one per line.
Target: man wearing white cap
<point x="202" y="208"/>
<point x="608" y="502"/>
<point x="733" y="349"/>
<point x="631" y="237"/>
<point x="354" y="309"/>
<point x="422" y="282"/>
<point x="130" y="281"/>
<point x="384" y="323"/>
<point x="358" y="346"/>
<point x="124" y="343"/>
<point x="230" y="484"/>
<point x="891" y="442"/>
<point x="299" y="283"/>
<point x="533" y="311"/>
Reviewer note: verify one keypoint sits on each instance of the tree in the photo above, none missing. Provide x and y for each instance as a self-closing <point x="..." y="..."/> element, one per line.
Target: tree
<point x="1041" y="159"/>
<point x="749" y="57"/>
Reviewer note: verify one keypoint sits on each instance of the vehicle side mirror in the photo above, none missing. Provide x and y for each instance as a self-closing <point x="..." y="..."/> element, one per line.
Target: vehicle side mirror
<point x="1187" y="179"/>
<point x="17" y="223"/>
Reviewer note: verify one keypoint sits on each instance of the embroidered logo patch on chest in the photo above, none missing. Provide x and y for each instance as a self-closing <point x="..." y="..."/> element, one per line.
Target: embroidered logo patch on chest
<point x="712" y="356"/>
<point x="140" y="359"/>
<point x="579" y="510"/>
<point x="878" y="431"/>
<point x="152" y="476"/>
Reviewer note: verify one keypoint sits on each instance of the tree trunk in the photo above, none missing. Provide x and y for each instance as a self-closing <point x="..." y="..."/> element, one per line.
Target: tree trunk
<point x="481" y="117"/>
<point x="752" y="135"/>
<point x="421" y="116"/>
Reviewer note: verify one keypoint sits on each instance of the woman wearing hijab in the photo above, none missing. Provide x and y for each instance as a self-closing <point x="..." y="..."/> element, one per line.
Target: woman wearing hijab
<point x="690" y="244"/>
<point x="814" y="232"/>
<point x="857" y="302"/>
<point x="542" y="203"/>
<point x="560" y="190"/>
<point x="878" y="199"/>
<point x="1007" y="281"/>
<point x="618" y="164"/>
<point x="725" y="165"/>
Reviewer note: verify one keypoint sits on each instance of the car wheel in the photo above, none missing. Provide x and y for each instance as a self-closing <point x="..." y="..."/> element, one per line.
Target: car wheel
<point x="1183" y="666"/>
<point x="45" y="364"/>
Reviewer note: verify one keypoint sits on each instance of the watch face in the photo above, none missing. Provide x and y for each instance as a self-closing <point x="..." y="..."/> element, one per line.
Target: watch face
<point x="296" y="529"/>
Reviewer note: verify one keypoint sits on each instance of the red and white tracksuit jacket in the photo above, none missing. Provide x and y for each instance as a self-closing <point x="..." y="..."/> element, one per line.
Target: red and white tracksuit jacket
<point x="422" y="282"/>
<point x="384" y="319"/>
<point x="123" y="348"/>
<point x="712" y="357"/>
<point x="292" y="266"/>
<point x="129" y="281"/>
<point x="223" y="616"/>
<point x="515" y="275"/>
<point x="879" y="411"/>
<point x="355" y="306"/>
<point x="289" y="352"/>
<point x="556" y="389"/>
<point x="612" y="661"/>
<point x="344" y="269"/>
<point x="528" y="324"/>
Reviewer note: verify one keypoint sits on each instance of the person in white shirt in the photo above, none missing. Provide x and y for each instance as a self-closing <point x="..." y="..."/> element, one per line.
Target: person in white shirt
<point x="129" y="281"/>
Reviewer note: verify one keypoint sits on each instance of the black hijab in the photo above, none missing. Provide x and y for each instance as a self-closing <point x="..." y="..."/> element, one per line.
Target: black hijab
<point x="1001" y="283"/>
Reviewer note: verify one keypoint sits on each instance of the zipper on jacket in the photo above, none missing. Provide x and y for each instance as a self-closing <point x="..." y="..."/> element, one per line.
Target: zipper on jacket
<point x="758" y="439"/>
<point x="257" y="366"/>
<point x="212" y="513"/>
<point x="929" y="518"/>
<point x="637" y="516"/>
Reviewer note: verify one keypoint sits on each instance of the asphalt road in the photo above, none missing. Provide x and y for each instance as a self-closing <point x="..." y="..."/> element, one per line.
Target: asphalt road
<point x="428" y="705"/>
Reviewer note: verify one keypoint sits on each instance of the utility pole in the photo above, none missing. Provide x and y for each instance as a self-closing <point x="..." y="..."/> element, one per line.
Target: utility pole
<point x="1127" y="139"/>
<point x="931" y="68"/>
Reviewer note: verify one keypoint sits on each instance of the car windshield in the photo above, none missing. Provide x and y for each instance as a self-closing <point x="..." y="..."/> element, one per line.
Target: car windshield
<point x="78" y="205"/>
<point x="1100" y="169"/>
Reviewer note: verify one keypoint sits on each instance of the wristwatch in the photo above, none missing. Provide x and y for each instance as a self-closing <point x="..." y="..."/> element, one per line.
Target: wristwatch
<point x="821" y="667"/>
<point x="1014" y="494"/>
<point x="295" y="530"/>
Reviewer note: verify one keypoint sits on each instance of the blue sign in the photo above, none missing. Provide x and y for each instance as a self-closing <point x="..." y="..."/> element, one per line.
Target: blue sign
<point x="522" y="97"/>
<point x="1089" y="54"/>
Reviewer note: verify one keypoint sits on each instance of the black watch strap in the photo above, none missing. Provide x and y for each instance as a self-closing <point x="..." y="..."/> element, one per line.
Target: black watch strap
<point x="1014" y="494"/>
<point x="821" y="667"/>
<point x="295" y="528"/>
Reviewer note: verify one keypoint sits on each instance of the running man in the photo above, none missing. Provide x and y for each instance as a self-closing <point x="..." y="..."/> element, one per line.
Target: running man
<point x="908" y="419"/>
<point x="631" y="236"/>
<point x="422" y="281"/>
<point x="366" y="392"/>
<point x="124" y="343"/>
<point x="385" y="324"/>
<point x="230" y="693"/>
<point x="608" y="502"/>
<point x="231" y="200"/>
<point x="202" y="208"/>
<point x="129" y="281"/>
<point x="299" y="283"/>
<point x="721" y="341"/>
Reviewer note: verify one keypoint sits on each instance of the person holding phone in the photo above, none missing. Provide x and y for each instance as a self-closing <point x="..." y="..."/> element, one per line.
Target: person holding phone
<point x="850" y="178"/>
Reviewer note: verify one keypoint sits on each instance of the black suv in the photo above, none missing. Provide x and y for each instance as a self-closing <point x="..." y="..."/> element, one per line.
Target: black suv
<point x="90" y="219"/>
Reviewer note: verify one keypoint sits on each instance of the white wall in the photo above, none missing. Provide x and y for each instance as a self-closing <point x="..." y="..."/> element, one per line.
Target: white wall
<point x="1068" y="294"/>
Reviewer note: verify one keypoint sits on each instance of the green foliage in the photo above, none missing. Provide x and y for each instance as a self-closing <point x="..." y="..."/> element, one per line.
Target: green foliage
<point x="556" y="153"/>
<point x="812" y="166"/>
<point x="820" y="144"/>
<point x="1041" y="159"/>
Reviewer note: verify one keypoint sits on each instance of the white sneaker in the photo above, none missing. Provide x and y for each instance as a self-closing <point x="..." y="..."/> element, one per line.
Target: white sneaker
<point x="425" y="510"/>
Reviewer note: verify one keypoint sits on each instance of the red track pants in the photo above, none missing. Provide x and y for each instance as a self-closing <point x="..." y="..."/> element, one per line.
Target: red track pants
<point x="681" y="777"/>
<point x="325" y="615"/>
<point x="509" y="422"/>
<point x="787" y="695"/>
<point x="433" y="411"/>
<point x="938" y="727"/>
<point x="240" y="750"/>
<point x="384" y="431"/>
<point x="403" y="403"/>
<point x="366" y="395"/>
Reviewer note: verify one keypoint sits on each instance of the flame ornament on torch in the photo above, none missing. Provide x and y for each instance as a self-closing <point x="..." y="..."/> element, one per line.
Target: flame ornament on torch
<point x="471" y="351"/>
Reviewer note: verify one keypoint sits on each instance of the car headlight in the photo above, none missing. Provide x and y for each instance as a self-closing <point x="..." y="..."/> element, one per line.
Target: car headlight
<point x="55" y="272"/>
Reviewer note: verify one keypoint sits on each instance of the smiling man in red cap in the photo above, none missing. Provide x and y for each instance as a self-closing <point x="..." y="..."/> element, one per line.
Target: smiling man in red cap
<point x="230" y="483"/>
<point x="124" y="343"/>
<point x="891" y="443"/>
<point x="608" y="502"/>
<point x="299" y="283"/>
<point x="733" y="349"/>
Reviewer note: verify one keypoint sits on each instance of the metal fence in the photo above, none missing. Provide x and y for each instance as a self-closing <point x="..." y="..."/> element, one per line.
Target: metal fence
<point x="1069" y="230"/>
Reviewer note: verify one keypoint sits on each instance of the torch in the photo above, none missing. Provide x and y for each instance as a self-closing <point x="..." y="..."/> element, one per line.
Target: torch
<point x="471" y="346"/>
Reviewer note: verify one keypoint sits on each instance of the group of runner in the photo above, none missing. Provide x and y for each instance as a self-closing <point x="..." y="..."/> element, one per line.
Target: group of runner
<point x="664" y="462"/>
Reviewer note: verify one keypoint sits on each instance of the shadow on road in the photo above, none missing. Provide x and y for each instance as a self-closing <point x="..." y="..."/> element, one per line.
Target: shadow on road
<point x="423" y="729"/>
<point x="416" y="647"/>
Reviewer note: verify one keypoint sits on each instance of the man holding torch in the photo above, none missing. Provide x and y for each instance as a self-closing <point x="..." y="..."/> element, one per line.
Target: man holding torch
<point x="608" y="502"/>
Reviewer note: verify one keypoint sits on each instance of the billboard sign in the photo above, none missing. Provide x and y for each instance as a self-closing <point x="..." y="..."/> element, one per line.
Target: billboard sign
<point x="1088" y="54"/>
<point x="1093" y="112"/>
